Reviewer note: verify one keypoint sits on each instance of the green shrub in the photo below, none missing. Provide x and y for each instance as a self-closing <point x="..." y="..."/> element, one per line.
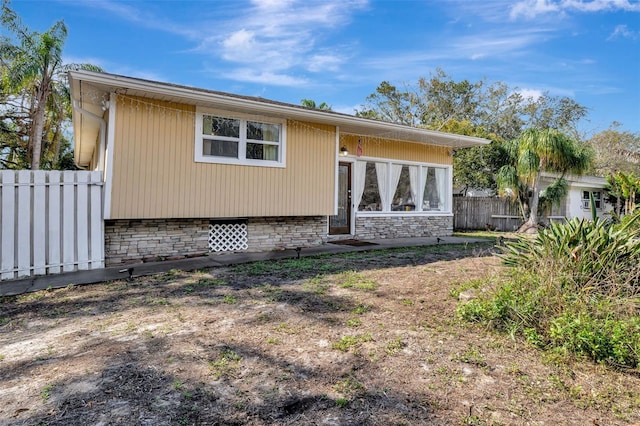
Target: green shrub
<point x="574" y="288"/>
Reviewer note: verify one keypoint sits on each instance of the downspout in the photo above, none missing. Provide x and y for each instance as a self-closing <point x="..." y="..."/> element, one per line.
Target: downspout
<point x="103" y="132"/>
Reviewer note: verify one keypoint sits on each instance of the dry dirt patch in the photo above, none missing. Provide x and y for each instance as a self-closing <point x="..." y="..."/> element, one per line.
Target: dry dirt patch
<point x="361" y="338"/>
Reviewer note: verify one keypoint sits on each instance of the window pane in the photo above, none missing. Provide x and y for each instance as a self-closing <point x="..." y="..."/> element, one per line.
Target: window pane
<point x="263" y="131"/>
<point x="371" y="196"/>
<point x="220" y="126"/>
<point x="258" y="151"/>
<point x="403" y="198"/>
<point x="220" y="148"/>
<point x="434" y="196"/>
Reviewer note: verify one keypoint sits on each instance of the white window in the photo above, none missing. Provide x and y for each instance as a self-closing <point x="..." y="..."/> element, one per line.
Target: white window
<point x="586" y="201"/>
<point x="393" y="187"/>
<point x="223" y="137"/>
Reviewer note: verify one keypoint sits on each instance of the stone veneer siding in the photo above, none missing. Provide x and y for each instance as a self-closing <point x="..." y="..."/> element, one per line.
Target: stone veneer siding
<point x="279" y="233"/>
<point x="380" y="227"/>
<point x="148" y="240"/>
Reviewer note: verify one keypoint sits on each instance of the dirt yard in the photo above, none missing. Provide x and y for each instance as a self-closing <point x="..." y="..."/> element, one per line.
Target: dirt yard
<point x="356" y="339"/>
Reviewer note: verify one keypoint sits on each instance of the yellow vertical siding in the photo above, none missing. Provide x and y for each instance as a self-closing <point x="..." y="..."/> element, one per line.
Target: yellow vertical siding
<point x="155" y="175"/>
<point x="397" y="150"/>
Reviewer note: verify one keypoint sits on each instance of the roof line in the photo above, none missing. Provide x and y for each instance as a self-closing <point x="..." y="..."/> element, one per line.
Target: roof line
<point x="262" y="104"/>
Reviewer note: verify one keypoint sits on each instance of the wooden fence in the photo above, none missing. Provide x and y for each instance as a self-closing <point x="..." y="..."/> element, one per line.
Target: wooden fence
<point x="472" y="213"/>
<point x="50" y="222"/>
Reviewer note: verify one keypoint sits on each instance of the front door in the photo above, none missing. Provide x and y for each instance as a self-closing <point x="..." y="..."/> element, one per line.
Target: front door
<point x="341" y="223"/>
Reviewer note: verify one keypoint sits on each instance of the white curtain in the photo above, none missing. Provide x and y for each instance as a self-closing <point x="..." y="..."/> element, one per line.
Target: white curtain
<point x="441" y="184"/>
<point x="381" y="172"/>
<point x="413" y="181"/>
<point x="396" y="170"/>
<point x="360" y="170"/>
<point x="423" y="183"/>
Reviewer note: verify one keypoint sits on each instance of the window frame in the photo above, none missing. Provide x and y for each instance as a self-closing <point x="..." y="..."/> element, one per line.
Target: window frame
<point x="586" y="202"/>
<point x="242" y="139"/>
<point x="387" y="210"/>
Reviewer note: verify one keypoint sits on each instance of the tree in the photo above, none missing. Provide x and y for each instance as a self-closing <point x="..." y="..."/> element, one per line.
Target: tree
<point x="623" y="191"/>
<point x="495" y="111"/>
<point x="310" y="103"/>
<point x="615" y="151"/>
<point x="388" y="103"/>
<point x="534" y="152"/>
<point x="36" y="99"/>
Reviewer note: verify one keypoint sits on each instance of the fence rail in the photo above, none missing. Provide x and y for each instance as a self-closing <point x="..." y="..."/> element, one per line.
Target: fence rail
<point x="50" y="222"/>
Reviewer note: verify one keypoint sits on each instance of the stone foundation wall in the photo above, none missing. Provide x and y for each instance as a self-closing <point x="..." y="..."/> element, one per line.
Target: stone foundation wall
<point x="149" y="240"/>
<point x="380" y="227"/>
<point x="278" y="233"/>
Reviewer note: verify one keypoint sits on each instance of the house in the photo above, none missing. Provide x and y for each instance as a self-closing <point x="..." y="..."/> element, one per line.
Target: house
<point x="577" y="202"/>
<point x="188" y="171"/>
<point x="481" y="211"/>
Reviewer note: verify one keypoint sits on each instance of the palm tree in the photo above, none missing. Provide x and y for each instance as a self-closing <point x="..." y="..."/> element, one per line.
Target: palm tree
<point x="534" y="152"/>
<point x="32" y="70"/>
<point x="310" y="103"/>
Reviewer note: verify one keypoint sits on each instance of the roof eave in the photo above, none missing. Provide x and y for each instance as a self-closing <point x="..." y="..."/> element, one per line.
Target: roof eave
<point x="346" y="123"/>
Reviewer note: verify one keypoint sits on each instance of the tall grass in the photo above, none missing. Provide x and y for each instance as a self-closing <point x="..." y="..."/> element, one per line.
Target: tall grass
<point x="575" y="288"/>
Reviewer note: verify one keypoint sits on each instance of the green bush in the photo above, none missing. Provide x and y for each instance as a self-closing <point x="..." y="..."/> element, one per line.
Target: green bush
<point x="575" y="287"/>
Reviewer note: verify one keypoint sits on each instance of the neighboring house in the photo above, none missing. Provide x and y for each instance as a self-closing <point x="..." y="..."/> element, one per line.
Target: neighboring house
<point x="577" y="202"/>
<point x="479" y="211"/>
<point x="188" y="171"/>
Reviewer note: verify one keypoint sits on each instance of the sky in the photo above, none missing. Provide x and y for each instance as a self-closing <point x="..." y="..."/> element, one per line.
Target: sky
<point x="339" y="51"/>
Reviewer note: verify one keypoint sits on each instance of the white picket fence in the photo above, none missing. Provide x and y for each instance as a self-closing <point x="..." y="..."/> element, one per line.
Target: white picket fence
<point x="50" y="222"/>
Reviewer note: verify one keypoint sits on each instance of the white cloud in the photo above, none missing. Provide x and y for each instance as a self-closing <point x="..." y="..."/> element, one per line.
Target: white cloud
<point x="271" y="37"/>
<point x="530" y="94"/>
<point x="530" y="9"/>
<point x="324" y="62"/>
<point x="250" y="75"/>
<point x="622" y="31"/>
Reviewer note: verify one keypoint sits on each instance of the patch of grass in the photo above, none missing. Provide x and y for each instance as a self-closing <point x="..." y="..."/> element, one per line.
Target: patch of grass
<point x="354" y="322"/>
<point x="211" y="282"/>
<point x="346" y="343"/>
<point x="474" y="284"/>
<point x="286" y="328"/>
<point x="342" y="402"/>
<point x="407" y="302"/>
<point x="159" y="301"/>
<point x="394" y="346"/>
<point x="45" y="393"/>
<point x="471" y="356"/>
<point x="291" y="268"/>
<point x="229" y="299"/>
<point x="177" y="385"/>
<point x="353" y="279"/>
<point x="273" y="340"/>
<point x="361" y="308"/>
<point x="273" y="293"/>
<point x="317" y="285"/>
<point x="225" y="365"/>
<point x="349" y="386"/>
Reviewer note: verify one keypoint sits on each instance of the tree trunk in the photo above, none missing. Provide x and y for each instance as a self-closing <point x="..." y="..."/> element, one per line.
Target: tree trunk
<point x="38" y="124"/>
<point x="531" y="225"/>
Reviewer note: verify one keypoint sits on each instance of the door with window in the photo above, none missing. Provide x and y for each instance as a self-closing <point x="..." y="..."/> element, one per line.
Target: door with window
<point x="341" y="223"/>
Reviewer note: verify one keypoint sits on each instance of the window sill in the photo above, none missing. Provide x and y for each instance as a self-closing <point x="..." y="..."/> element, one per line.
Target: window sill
<point x="236" y="162"/>
<point x="403" y="213"/>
